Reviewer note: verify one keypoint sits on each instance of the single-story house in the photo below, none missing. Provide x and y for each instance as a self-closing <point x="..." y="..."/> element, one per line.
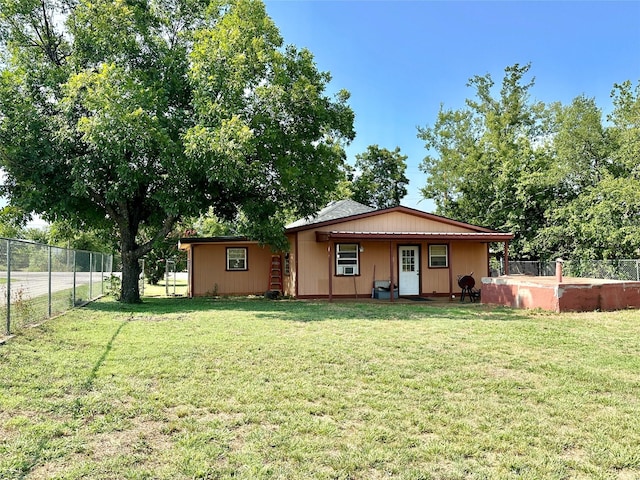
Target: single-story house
<point x="342" y="251"/>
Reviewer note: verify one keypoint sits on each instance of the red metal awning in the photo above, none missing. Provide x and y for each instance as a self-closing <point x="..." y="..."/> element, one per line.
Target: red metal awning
<point x="324" y="236"/>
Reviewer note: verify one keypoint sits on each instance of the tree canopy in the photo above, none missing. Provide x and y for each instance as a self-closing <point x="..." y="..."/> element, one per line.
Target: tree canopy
<point x="132" y="115"/>
<point x="558" y="177"/>
<point x="380" y="181"/>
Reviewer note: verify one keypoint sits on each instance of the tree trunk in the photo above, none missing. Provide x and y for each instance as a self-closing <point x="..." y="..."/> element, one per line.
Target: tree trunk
<point x="130" y="287"/>
<point x="132" y="253"/>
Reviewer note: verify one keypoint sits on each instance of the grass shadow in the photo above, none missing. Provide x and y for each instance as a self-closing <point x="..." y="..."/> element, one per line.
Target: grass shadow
<point x="314" y="311"/>
<point x="88" y="383"/>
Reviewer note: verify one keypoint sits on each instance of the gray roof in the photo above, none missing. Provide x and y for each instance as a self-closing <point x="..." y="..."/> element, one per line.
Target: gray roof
<point x="333" y="211"/>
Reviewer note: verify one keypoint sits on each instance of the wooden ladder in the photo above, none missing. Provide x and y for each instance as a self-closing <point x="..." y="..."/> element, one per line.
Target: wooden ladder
<point x="275" y="276"/>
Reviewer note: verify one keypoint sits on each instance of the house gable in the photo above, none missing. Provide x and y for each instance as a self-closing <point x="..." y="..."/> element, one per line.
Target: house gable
<point x="395" y="219"/>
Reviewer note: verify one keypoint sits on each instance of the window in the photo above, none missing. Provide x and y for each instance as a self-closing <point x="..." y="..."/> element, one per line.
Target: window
<point x="438" y="257"/>
<point x="236" y="258"/>
<point x="347" y="259"/>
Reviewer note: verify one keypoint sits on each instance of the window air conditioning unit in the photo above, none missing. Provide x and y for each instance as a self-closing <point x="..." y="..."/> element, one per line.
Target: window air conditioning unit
<point x="348" y="270"/>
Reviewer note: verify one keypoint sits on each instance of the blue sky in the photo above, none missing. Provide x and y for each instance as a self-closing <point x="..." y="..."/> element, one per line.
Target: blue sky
<point x="402" y="59"/>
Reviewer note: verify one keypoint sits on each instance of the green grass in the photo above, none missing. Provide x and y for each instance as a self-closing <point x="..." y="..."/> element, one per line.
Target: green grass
<point x="160" y="290"/>
<point x="181" y="389"/>
<point x="26" y="311"/>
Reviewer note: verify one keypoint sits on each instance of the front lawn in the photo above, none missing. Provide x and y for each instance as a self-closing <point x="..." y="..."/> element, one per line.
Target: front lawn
<point x="181" y="389"/>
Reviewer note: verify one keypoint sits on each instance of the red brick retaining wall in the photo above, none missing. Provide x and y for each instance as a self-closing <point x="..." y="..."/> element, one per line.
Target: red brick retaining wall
<point x="572" y="294"/>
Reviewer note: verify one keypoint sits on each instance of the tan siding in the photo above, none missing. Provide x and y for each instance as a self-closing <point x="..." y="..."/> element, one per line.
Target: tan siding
<point x="435" y="281"/>
<point x="467" y="257"/>
<point x="309" y="262"/>
<point x="464" y="258"/>
<point x="376" y="256"/>
<point x="210" y="275"/>
<point x="313" y="268"/>
<point x="289" y="281"/>
<point x="396" y="222"/>
<point x="313" y="277"/>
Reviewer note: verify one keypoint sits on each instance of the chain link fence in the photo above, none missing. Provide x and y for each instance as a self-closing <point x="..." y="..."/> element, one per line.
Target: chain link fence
<point x="627" y="269"/>
<point x="624" y="269"/>
<point x="38" y="281"/>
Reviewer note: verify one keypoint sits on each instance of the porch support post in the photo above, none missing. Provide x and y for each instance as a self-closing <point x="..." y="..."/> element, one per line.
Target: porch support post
<point x="329" y="269"/>
<point x="391" y="289"/>
<point x="506" y="258"/>
<point x="192" y="273"/>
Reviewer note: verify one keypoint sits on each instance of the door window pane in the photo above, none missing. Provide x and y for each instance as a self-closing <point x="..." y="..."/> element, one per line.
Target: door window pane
<point x="408" y="260"/>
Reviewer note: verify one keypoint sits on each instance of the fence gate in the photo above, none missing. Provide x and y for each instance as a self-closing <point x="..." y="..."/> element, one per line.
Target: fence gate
<point x="170" y="277"/>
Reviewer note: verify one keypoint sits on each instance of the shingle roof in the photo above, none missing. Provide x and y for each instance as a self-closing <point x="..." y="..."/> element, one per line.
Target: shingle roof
<point x="333" y="211"/>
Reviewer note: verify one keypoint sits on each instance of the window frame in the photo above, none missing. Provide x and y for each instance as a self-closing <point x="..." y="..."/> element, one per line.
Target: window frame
<point x="347" y="261"/>
<point x="246" y="259"/>
<point x="445" y="256"/>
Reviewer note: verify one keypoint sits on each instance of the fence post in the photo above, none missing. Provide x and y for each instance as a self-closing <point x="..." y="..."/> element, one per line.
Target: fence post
<point x="174" y="278"/>
<point x="50" y="293"/>
<point x="559" y="263"/>
<point x="102" y="274"/>
<point x="90" y="276"/>
<point x="73" y="298"/>
<point x="8" y="287"/>
<point x="166" y="277"/>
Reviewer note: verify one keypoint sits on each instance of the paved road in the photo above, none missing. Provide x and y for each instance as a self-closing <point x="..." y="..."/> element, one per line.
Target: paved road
<point x="35" y="284"/>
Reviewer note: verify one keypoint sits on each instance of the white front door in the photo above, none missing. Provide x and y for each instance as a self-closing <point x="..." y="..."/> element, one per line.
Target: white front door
<point x="409" y="268"/>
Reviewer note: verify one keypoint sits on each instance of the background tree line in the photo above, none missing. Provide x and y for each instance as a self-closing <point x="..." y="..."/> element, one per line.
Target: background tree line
<point x="564" y="179"/>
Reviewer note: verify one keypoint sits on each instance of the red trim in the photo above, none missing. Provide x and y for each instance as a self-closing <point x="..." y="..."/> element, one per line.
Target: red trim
<point x="488" y="261"/>
<point x="335" y="259"/>
<point x="419" y="265"/>
<point x="330" y="261"/>
<point x="223" y="239"/>
<point x="363" y="297"/>
<point x="323" y="236"/>
<point x="448" y="255"/>
<point x="297" y="276"/>
<point x="192" y="266"/>
<point x="391" y="270"/>
<point x="506" y="258"/>
<point x="246" y="259"/>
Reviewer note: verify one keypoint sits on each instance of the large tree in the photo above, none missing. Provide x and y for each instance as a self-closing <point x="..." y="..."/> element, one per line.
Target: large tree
<point x="599" y="168"/>
<point x="558" y="177"/>
<point x="131" y="115"/>
<point x="487" y="163"/>
<point x="380" y="180"/>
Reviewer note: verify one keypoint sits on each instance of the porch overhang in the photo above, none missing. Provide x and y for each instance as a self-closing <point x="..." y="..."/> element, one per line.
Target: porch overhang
<point x="332" y="237"/>
<point x="325" y="236"/>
